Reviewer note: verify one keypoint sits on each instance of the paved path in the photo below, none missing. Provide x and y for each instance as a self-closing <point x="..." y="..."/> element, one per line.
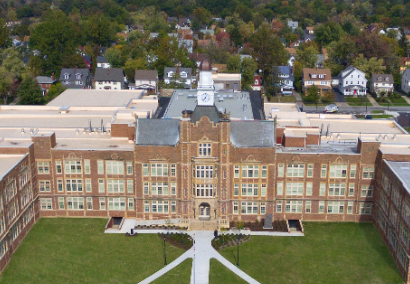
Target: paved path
<point x="406" y="98"/>
<point x="372" y="100"/>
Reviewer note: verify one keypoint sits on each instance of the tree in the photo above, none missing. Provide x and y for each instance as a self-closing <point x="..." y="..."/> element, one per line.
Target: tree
<point x="369" y="66"/>
<point x="113" y="55"/>
<point x="54" y="91"/>
<point x="131" y="65"/>
<point x="73" y="61"/>
<point x="312" y="95"/>
<point x="236" y="37"/>
<point x="234" y="64"/>
<point x="248" y="67"/>
<point x="325" y="34"/>
<point x="30" y="92"/>
<point x="307" y="56"/>
<point x="98" y="30"/>
<point x="4" y="35"/>
<point x="10" y="71"/>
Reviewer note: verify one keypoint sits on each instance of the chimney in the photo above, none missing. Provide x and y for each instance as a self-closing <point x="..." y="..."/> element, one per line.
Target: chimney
<point x="52" y="76"/>
<point x="108" y="71"/>
<point x="89" y="125"/>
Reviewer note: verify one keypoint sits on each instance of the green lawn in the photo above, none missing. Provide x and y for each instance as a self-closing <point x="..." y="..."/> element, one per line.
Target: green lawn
<point x="179" y="275"/>
<point x="77" y="251"/>
<point x="288" y="99"/>
<point x="329" y="253"/>
<point x="219" y="274"/>
<point x="357" y="101"/>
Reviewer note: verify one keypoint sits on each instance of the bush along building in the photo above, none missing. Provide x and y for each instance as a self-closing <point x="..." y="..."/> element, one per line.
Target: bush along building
<point x="214" y="156"/>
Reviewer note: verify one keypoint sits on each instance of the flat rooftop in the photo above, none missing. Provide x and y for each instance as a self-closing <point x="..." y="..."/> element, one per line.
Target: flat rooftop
<point x="7" y="162"/>
<point x="357" y="126"/>
<point x="95" y="98"/>
<point x="237" y="103"/>
<point x="402" y="170"/>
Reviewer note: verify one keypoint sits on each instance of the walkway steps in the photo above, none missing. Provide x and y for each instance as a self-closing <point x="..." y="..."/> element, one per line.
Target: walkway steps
<point x="199" y="225"/>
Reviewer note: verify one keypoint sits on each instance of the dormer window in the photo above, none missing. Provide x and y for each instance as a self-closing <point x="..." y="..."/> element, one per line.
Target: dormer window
<point x="170" y="73"/>
<point x="184" y="74"/>
<point x="387" y="79"/>
<point x="256" y="82"/>
<point x="66" y="76"/>
<point x="379" y="79"/>
<point x="78" y="76"/>
<point x="321" y="76"/>
<point x="314" y="75"/>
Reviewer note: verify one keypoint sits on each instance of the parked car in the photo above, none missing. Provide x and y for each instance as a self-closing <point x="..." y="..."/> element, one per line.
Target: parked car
<point x="331" y="108"/>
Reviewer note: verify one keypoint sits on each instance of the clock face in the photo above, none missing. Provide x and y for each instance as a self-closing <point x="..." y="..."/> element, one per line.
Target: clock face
<point x="205" y="97"/>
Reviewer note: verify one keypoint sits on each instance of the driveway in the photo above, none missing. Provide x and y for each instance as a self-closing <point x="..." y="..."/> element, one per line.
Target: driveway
<point x="339" y="97"/>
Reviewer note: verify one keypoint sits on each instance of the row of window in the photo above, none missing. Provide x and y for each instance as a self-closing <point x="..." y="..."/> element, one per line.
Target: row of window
<point x="333" y="189"/>
<point x="81" y="203"/>
<point x="335" y="171"/>
<point x="329" y="207"/>
<point x="77" y="166"/>
<point x="250" y="171"/>
<point x="158" y="170"/>
<point x="78" y="185"/>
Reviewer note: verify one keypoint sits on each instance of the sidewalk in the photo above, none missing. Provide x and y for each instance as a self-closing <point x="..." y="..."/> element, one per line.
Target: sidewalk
<point x="372" y="101"/>
<point x="406" y="98"/>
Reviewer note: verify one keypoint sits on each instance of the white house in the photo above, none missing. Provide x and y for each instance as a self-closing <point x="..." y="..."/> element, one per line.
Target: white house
<point x="102" y="62"/>
<point x="285" y="79"/>
<point x="109" y="79"/>
<point x="405" y="81"/>
<point x="146" y="80"/>
<point x="178" y="75"/>
<point x="352" y="81"/>
<point x="382" y="83"/>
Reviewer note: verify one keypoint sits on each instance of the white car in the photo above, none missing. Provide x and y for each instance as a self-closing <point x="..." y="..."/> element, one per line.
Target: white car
<point x="331" y="108"/>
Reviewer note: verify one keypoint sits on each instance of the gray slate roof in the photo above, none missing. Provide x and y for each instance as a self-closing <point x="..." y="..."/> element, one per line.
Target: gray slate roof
<point x="72" y="71"/>
<point x="45" y="80"/>
<point x="157" y="132"/>
<point x="382" y="78"/>
<point x="102" y="59"/>
<point x="257" y="133"/>
<point x="109" y="74"/>
<point x="210" y="111"/>
<point x="146" y="75"/>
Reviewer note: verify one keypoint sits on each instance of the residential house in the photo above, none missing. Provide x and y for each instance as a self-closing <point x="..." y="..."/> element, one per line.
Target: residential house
<point x="320" y="78"/>
<point x="178" y="75"/>
<point x="405" y="81"/>
<point x="88" y="60"/>
<point x="293" y="24"/>
<point x="205" y="31"/>
<point x="183" y="22"/>
<point x="276" y="25"/>
<point x="292" y="55"/>
<point x="352" y="81"/>
<point x="102" y="62"/>
<point x="146" y="80"/>
<point x="284" y="79"/>
<point x="109" y="79"/>
<point x="310" y="30"/>
<point x="197" y="57"/>
<point x="320" y="62"/>
<point x="404" y="63"/>
<point x="227" y="81"/>
<point x="74" y="78"/>
<point x="45" y="83"/>
<point x="257" y="83"/>
<point x="187" y="42"/>
<point x="382" y="83"/>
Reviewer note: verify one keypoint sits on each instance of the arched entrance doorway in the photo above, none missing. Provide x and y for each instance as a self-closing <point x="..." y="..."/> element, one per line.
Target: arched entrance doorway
<point x="204" y="211"/>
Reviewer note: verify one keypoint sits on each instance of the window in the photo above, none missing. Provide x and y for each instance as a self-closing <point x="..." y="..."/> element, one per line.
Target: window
<point x="235" y="207"/>
<point x="250" y="171"/>
<point x="115" y="185"/>
<point x="87" y="168"/>
<point x="351" y="189"/>
<point x="263" y="190"/>
<point x="102" y="203"/>
<point x="321" y="208"/>
<point x="116" y="203"/>
<point x="337" y="189"/>
<point x="295" y="170"/>
<point x="100" y="165"/>
<point x="159" y="206"/>
<point x="173" y="188"/>
<point x="280" y="170"/>
<point x="264" y="171"/>
<point x="173" y="207"/>
<point x="236" y="171"/>
<point x="58" y="167"/>
<point x="367" y="191"/>
<point x="249" y="208"/>
<point x="146" y="206"/>
<point x="89" y="203"/>
<point x="350" y="208"/>
<point x="204" y="190"/>
<point x="334" y="207"/>
<point x="322" y="189"/>
<point x="145" y="171"/>
<point x="114" y="167"/>
<point x="61" y="203"/>
<point x="310" y="171"/>
<point x="249" y="189"/>
<point x="406" y="211"/>
<point x="173" y="170"/>
<point x="204" y="171"/>
<point x="75" y="203"/>
<point x="366" y="208"/>
<point x="279" y="188"/>
<point x="263" y="208"/>
<point x="159" y="170"/>
<point x="146" y="187"/>
<point x="88" y="185"/>
<point x="44" y="185"/>
<point x="159" y="188"/>
<point x="43" y="167"/>
<point x="353" y="171"/>
<point x="236" y="189"/>
<point x="101" y="186"/>
<point x="404" y="234"/>
<point x="338" y="171"/>
<point x="294" y="188"/>
<point x="368" y="173"/>
<point x="279" y="206"/>
<point x="72" y="167"/>
<point x="308" y="206"/>
<point x="73" y="185"/>
<point x="129" y="168"/>
<point x="204" y="149"/>
<point x="130" y="203"/>
<point x="45" y="204"/>
<point x="293" y="206"/>
<point x="323" y="171"/>
<point x="130" y="186"/>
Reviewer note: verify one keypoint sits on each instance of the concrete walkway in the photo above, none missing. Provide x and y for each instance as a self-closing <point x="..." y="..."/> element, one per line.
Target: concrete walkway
<point x="372" y="100"/>
<point x="406" y="98"/>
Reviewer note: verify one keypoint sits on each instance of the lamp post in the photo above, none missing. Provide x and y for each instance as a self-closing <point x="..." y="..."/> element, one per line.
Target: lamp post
<point x="165" y="254"/>
<point x="237" y="252"/>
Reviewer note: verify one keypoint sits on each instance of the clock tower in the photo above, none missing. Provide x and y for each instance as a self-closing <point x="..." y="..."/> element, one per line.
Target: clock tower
<point x="205" y="90"/>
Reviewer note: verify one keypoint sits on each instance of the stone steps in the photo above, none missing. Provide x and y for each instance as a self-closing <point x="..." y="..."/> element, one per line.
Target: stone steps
<point x="197" y="225"/>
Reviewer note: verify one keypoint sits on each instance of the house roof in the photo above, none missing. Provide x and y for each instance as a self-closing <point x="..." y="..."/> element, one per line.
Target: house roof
<point x="177" y="69"/>
<point x="197" y="56"/>
<point x="349" y="70"/>
<point x="309" y="28"/>
<point x="382" y="78"/>
<point x="159" y="132"/>
<point x="72" y="71"/>
<point x="45" y="80"/>
<point x="308" y="71"/>
<point x="256" y="133"/>
<point x="291" y="50"/>
<point x="109" y="74"/>
<point x="403" y="60"/>
<point x="102" y="59"/>
<point x="146" y="75"/>
<point x="210" y="111"/>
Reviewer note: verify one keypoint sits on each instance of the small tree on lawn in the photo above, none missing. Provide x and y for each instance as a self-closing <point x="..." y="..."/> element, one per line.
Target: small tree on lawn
<point x="29" y="92"/>
<point x="313" y="94"/>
